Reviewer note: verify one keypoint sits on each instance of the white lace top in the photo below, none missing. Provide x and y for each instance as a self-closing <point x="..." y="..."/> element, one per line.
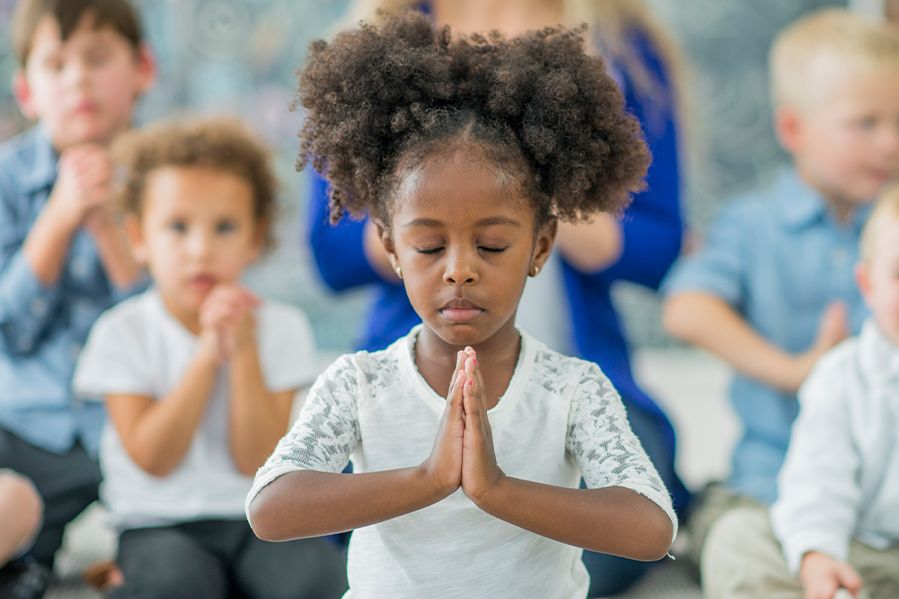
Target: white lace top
<point x="559" y="419"/>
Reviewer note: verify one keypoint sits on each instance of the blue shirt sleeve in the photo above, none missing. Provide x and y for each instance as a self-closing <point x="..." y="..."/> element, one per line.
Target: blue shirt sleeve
<point x="652" y="227"/>
<point x="27" y="306"/>
<point x="338" y="250"/>
<point x="719" y="267"/>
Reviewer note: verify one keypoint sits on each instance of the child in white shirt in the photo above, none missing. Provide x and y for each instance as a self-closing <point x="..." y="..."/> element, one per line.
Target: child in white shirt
<point x="833" y="532"/>
<point x="466" y="152"/>
<point x="837" y="517"/>
<point x="198" y="375"/>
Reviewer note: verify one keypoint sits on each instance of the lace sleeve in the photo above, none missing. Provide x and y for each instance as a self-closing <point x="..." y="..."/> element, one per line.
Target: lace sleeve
<point x="326" y="431"/>
<point x="603" y="444"/>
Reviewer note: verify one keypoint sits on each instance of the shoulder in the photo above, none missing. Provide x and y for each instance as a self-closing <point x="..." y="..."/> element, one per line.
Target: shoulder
<point x="135" y="315"/>
<point x="18" y="148"/>
<point x="562" y="375"/>
<point x="833" y="374"/>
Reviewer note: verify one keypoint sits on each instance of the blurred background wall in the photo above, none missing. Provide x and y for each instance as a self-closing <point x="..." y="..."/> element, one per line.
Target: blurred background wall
<point x="239" y="56"/>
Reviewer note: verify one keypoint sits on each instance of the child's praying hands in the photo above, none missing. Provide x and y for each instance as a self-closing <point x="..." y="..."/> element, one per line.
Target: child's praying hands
<point x="444" y="465"/>
<point x="480" y="471"/>
<point x="226" y="318"/>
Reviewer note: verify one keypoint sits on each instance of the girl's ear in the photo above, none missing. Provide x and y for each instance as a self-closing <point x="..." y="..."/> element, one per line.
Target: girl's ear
<point x="543" y="246"/>
<point x="135" y="233"/>
<point x="22" y="92"/>
<point x="387" y="242"/>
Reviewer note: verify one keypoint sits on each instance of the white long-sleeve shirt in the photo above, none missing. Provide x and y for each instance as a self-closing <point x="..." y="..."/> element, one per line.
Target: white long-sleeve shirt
<point x="559" y="419"/>
<point x="840" y="479"/>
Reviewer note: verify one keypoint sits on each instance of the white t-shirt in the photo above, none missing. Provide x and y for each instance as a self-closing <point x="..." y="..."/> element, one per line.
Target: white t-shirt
<point x="559" y="418"/>
<point x="138" y="348"/>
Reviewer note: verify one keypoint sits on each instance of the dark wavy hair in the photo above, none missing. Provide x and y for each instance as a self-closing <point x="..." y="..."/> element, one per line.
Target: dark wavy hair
<point x="382" y="98"/>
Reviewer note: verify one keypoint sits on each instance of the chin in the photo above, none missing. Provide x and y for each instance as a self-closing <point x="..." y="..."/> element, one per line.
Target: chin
<point x="460" y="335"/>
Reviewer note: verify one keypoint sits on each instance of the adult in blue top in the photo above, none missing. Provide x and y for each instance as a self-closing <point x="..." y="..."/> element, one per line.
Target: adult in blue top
<point x="590" y="258"/>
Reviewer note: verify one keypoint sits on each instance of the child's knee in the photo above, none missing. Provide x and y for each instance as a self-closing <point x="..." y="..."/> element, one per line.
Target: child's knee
<point x="741" y="557"/>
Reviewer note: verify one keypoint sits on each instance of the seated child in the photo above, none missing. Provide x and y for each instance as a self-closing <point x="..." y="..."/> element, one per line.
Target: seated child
<point x="466" y="151"/>
<point x="772" y="289"/>
<point x="63" y="258"/>
<point x="836" y="518"/>
<point x="199" y="375"/>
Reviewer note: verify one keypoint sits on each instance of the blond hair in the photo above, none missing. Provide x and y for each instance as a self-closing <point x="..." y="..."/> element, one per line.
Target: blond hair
<point x="887" y="208"/>
<point x="827" y="37"/>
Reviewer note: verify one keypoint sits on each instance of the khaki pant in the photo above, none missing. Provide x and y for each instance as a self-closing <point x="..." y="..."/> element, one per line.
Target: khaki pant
<point x="709" y="505"/>
<point x="742" y="559"/>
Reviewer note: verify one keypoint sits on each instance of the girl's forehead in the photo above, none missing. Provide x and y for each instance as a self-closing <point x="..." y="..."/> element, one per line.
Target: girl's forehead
<point x="460" y="189"/>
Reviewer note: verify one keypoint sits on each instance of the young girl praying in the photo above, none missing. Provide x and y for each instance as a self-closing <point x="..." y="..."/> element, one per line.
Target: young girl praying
<point x="468" y="437"/>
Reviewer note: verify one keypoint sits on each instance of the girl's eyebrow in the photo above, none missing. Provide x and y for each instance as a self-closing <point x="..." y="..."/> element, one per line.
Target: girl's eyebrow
<point x="484" y="222"/>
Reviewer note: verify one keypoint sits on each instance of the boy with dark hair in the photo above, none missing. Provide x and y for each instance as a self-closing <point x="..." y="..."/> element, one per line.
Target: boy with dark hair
<point x="63" y="258"/>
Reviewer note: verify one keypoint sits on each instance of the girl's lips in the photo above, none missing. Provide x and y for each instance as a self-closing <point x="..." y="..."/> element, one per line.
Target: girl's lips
<point x="461" y="314"/>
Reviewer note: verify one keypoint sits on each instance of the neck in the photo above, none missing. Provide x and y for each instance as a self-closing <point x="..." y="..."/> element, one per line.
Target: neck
<point x="511" y="17"/>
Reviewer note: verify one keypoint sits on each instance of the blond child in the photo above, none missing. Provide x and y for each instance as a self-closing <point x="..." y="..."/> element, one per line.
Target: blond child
<point x="198" y="375"/>
<point x="835" y="524"/>
<point x="772" y="289"/>
<point x="63" y="259"/>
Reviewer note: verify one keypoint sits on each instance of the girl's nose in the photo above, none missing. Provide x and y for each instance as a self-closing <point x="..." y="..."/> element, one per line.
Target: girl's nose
<point x="460" y="269"/>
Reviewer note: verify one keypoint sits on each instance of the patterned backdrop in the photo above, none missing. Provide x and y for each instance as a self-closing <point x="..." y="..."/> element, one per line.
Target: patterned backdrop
<point x="239" y="56"/>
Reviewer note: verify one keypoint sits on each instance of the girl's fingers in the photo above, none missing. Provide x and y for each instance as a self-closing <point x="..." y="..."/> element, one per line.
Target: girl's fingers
<point x="457" y="398"/>
<point x="473" y="408"/>
<point x="450" y="393"/>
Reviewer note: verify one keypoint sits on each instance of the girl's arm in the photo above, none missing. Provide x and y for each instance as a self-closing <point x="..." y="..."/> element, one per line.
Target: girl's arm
<point x="157" y="433"/>
<point x="612" y="519"/>
<point x="258" y="417"/>
<point x="308" y="503"/>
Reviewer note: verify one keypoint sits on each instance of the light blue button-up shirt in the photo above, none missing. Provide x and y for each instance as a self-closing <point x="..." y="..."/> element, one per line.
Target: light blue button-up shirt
<point x="42" y="327"/>
<point x="779" y="258"/>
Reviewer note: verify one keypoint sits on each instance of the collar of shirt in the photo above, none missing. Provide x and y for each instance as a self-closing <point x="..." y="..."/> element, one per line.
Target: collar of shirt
<point x="878" y="356"/>
<point x="802" y="206"/>
<point x="42" y="171"/>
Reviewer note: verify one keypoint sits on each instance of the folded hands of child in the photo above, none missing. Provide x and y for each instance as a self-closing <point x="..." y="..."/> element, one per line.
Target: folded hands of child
<point x="226" y="320"/>
<point x="463" y="454"/>
<point x="82" y="195"/>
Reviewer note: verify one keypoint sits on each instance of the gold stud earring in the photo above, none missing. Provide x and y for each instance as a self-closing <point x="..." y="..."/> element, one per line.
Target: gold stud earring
<point x="536" y="271"/>
<point x="399" y="272"/>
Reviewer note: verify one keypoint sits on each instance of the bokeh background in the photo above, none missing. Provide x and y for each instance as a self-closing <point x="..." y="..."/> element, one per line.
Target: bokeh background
<point x="240" y="57"/>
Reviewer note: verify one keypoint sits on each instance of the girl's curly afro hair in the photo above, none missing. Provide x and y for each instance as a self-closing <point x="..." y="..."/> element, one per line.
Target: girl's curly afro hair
<point x="394" y="91"/>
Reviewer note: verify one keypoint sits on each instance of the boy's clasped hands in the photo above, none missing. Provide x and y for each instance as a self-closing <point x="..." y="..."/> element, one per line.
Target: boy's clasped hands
<point x="83" y="190"/>
<point x="463" y="454"/>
